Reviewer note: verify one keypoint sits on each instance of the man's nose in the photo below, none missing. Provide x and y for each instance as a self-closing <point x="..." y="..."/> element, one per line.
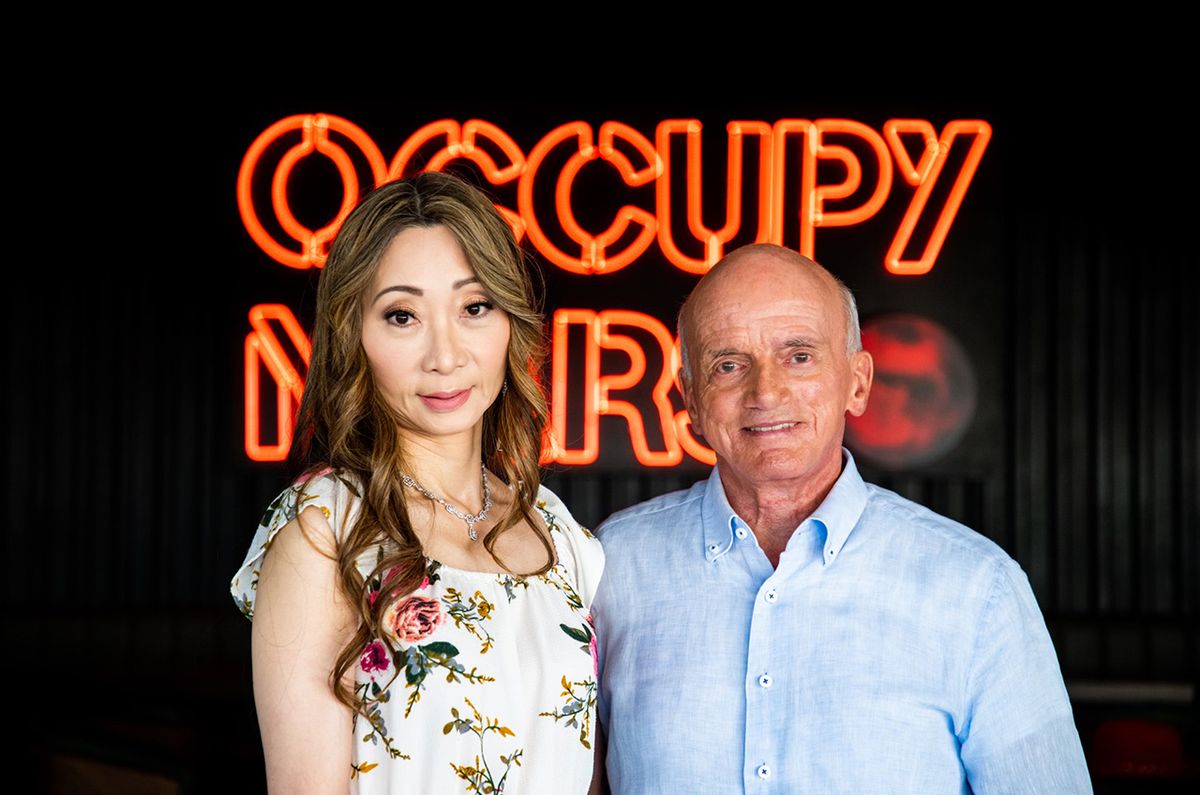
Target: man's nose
<point x="768" y="386"/>
<point x="444" y="352"/>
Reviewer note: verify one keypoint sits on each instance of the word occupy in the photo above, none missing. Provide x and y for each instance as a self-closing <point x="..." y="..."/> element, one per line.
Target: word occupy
<point x="640" y="163"/>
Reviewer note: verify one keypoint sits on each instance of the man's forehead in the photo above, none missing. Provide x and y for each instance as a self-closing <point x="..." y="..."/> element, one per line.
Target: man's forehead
<point x="781" y="330"/>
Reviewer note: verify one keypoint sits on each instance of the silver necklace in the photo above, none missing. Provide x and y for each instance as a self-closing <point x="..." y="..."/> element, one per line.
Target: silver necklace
<point x="470" y="519"/>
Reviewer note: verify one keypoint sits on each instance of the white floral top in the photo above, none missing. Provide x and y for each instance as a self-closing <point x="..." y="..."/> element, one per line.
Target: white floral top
<point x="493" y="686"/>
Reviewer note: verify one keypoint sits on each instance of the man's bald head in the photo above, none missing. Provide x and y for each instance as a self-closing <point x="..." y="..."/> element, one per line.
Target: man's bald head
<point x="755" y="261"/>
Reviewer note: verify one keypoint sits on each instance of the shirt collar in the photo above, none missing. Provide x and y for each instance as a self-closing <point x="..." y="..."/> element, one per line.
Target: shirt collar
<point x="838" y="513"/>
<point x="717" y="518"/>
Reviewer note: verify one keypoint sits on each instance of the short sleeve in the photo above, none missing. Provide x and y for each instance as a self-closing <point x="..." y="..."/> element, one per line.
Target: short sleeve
<point x="327" y="490"/>
<point x="582" y="554"/>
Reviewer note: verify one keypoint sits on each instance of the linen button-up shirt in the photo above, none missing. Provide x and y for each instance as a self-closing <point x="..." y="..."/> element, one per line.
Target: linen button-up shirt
<point x="893" y="650"/>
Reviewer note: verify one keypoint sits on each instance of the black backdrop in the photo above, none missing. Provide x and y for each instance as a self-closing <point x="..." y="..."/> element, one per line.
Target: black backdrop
<point x="131" y="502"/>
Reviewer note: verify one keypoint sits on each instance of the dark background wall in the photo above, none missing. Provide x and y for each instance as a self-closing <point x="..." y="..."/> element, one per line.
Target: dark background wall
<point x="131" y="502"/>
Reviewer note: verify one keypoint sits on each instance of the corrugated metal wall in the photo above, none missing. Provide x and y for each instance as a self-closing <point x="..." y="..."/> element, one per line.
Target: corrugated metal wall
<point x="128" y="495"/>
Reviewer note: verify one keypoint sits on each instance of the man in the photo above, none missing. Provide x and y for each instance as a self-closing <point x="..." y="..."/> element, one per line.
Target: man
<point x="784" y="627"/>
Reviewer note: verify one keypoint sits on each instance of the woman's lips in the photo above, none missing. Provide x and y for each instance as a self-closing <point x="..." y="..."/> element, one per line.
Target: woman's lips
<point x="445" y="401"/>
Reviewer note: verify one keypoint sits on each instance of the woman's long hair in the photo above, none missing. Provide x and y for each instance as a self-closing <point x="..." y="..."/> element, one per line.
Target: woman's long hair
<point x="345" y="423"/>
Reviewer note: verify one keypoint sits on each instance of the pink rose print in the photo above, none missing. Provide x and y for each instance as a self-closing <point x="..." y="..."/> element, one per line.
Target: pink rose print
<point x="415" y="618"/>
<point x="375" y="658"/>
<point x="595" y="658"/>
<point x="391" y="574"/>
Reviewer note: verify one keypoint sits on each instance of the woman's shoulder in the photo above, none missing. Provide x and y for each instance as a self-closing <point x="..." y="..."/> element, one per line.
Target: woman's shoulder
<point x="334" y="491"/>
<point x="331" y="491"/>
<point x="581" y="552"/>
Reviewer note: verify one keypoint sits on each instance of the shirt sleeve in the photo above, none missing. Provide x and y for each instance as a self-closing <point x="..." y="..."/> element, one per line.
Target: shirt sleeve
<point x="1020" y="735"/>
<point x="583" y="555"/>
<point x="325" y="490"/>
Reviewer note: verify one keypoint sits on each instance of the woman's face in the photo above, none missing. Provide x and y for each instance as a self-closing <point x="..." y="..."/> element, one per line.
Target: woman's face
<point x="436" y="345"/>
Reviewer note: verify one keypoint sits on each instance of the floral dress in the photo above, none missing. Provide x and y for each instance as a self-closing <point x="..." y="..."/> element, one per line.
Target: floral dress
<point x="493" y="687"/>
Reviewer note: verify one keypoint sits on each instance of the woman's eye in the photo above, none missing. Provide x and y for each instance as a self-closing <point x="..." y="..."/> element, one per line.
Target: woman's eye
<point x="398" y="317"/>
<point x="479" y="308"/>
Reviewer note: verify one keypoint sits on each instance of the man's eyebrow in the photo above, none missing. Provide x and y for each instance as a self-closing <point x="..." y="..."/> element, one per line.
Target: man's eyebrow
<point x="800" y="342"/>
<point x="721" y="352"/>
<point x="408" y="288"/>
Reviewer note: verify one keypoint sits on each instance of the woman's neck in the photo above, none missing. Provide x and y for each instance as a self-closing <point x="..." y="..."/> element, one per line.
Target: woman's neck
<point x="448" y="468"/>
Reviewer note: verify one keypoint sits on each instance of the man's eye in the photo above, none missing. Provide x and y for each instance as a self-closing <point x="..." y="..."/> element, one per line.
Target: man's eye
<point x="726" y="367"/>
<point x="479" y="308"/>
<point x="801" y="358"/>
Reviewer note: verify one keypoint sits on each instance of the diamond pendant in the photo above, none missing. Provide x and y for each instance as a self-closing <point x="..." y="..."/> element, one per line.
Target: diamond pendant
<point x="471" y="531"/>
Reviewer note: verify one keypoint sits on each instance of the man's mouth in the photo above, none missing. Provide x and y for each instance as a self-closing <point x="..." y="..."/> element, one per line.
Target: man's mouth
<point x="778" y="426"/>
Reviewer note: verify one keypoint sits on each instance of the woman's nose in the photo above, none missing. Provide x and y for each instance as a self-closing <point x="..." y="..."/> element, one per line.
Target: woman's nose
<point x="445" y="351"/>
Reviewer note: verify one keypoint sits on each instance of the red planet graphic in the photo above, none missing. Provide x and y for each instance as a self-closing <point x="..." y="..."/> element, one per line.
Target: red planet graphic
<point x="923" y="396"/>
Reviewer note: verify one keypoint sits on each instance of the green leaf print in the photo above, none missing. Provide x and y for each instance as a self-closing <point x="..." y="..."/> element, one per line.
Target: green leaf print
<point x="374" y="717"/>
<point x="420" y="660"/>
<point x="577" y="708"/>
<point x="440" y="647"/>
<point x="479" y="776"/>
<point x="582" y="635"/>
<point x="274" y="506"/>
<point x="470" y="614"/>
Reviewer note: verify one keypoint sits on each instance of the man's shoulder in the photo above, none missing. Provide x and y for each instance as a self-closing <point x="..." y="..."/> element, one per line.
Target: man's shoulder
<point x="656" y="512"/>
<point x="903" y="516"/>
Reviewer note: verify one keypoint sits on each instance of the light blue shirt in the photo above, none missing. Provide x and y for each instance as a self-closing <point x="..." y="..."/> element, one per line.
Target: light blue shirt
<point x="893" y="650"/>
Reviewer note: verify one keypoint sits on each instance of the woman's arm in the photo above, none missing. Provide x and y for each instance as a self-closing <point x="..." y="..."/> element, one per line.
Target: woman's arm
<point x="599" y="778"/>
<point x="301" y="623"/>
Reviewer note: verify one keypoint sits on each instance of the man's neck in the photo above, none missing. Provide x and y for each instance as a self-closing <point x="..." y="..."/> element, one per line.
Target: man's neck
<point x="776" y="508"/>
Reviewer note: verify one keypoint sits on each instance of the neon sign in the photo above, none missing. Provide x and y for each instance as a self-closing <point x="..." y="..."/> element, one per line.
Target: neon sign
<point x="648" y="172"/>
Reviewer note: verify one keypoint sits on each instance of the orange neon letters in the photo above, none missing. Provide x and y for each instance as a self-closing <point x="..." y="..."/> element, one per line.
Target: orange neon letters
<point x="812" y="195"/>
<point x="558" y="159"/>
<point x="263" y="347"/>
<point x="463" y="142"/>
<point x="598" y="388"/>
<point x="924" y="176"/>
<point x="713" y="240"/>
<point x="594" y="255"/>
<point x="314" y="131"/>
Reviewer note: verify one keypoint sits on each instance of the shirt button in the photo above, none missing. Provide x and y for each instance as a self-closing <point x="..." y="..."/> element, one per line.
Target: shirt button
<point x="765" y="680"/>
<point x="712" y="549"/>
<point x="740" y="532"/>
<point x="763" y="771"/>
<point x="771" y="597"/>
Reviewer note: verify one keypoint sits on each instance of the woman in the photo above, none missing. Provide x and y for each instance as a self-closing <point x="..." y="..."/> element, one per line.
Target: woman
<point x="419" y="601"/>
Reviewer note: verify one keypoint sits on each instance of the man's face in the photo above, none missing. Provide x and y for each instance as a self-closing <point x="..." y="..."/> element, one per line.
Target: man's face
<point x="770" y="381"/>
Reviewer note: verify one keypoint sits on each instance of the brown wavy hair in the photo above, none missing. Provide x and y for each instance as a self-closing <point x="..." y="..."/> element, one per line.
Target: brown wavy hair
<point x="344" y="422"/>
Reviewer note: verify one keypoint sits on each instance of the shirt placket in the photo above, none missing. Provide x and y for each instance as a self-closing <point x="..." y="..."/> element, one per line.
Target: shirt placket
<point x="768" y="671"/>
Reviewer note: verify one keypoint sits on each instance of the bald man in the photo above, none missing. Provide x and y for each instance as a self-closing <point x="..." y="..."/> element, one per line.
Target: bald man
<point x="785" y="627"/>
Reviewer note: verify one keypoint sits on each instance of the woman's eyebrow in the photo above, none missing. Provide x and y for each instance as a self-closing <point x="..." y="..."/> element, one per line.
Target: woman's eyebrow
<point x="408" y="288"/>
<point x="398" y="288"/>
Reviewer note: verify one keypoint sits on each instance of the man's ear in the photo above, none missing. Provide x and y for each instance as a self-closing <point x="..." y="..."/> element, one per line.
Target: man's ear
<point x="862" y="373"/>
<point x="686" y="389"/>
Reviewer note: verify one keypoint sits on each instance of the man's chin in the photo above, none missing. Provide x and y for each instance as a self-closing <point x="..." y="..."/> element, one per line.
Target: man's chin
<point x="778" y="463"/>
